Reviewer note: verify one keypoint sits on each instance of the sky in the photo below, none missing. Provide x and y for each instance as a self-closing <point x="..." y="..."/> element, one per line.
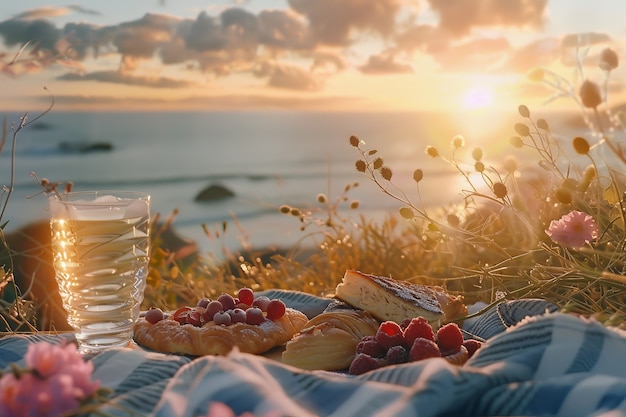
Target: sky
<point x="321" y="55"/>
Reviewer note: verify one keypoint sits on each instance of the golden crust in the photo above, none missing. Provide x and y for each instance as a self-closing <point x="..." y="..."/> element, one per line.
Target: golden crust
<point x="389" y="299"/>
<point x="328" y="341"/>
<point x="169" y="336"/>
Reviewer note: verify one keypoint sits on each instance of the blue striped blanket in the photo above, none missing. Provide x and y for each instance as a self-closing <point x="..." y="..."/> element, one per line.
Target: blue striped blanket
<point x="550" y="364"/>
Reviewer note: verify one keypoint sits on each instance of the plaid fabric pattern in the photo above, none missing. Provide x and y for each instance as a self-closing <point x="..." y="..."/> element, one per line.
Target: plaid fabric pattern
<point x="549" y="365"/>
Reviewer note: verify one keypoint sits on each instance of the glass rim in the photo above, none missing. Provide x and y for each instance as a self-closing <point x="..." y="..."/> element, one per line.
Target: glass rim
<point x="88" y="196"/>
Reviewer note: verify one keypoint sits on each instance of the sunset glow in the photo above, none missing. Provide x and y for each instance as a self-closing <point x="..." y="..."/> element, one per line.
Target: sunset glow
<point x="299" y="55"/>
<point x="478" y="97"/>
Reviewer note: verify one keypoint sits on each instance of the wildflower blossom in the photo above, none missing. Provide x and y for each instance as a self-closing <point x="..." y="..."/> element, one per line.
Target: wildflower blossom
<point x="573" y="229"/>
<point x="55" y="383"/>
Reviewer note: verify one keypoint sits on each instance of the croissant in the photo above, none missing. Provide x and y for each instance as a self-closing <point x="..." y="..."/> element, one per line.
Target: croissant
<point x="169" y="336"/>
<point x="328" y="341"/>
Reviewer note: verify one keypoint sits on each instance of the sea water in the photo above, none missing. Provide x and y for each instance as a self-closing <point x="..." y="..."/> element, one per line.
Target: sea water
<point x="266" y="158"/>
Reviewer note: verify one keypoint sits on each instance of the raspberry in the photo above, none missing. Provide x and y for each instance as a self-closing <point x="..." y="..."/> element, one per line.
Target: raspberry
<point x="418" y="327"/>
<point x="370" y="346"/>
<point x="389" y="334"/>
<point x="363" y="363"/>
<point x="450" y="338"/>
<point x="423" y="349"/>
<point x="397" y="354"/>
<point x="405" y="323"/>
<point x="472" y="346"/>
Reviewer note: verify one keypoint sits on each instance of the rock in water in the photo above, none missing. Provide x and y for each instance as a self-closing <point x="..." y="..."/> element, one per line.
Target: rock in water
<point x="214" y="192"/>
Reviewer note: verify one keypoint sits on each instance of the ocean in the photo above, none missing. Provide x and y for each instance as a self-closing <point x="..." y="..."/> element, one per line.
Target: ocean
<point x="266" y="158"/>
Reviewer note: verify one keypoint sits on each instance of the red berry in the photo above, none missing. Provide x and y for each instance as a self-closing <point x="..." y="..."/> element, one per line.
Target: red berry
<point x="423" y="349"/>
<point x="246" y="296"/>
<point x="418" y="327"/>
<point x="449" y="338"/>
<point x="154" y="315"/>
<point x="212" y="308"/>
<point x="397" y="354"/>
<point x="472" y="346"/>
<point x="405" y="323"/>
<point x="370" y="346"/>
<point x="276" y="309"/>
<point x="222" y="317"/>
<point x="195" y="318"/>
<point x="237" y="315"/>
<point x="363" y="363"/>
<point x="203" y="302"/>
<point x="227" y="301"/>
<point x="181" y="314"/>
<point x="261" y="302"/>
<point x="389" y="334"/>
<point x="254" y="316"/>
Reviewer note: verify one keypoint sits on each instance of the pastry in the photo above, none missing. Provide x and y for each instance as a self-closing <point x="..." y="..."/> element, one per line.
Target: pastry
<point x="390" y="299"/>
<point x="216" y="327"/>
<point x="328" y="341"/>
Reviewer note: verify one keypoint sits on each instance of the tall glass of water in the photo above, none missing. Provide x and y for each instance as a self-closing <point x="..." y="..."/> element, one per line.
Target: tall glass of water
<point x="101" y="248"/>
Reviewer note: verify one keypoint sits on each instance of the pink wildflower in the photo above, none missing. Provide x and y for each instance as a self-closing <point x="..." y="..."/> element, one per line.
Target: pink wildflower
<point x="59" y="381"/>
<point x="573" y="229"/>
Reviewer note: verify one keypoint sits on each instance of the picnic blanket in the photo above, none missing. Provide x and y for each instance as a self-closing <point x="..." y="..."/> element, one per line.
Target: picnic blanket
<point x="547" y="364"/>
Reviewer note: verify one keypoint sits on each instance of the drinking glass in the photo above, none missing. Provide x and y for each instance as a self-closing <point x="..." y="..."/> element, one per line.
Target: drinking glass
<point x="101" y="248"/>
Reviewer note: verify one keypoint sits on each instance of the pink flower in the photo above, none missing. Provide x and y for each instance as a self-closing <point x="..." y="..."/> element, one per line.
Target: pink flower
<point x="55" y="382"/>
<point x="50" y="361"/>
<point x="573" y="229"/>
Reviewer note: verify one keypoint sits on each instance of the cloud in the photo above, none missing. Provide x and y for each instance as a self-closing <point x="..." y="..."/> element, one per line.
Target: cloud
<point x="458" y="17"/>
<point x="288" y="77"/>
<point x="384" y="63"/>
<point x="541" y="52"/>
<point x="19" y="32"/>
<point x="480" y="54"/>
<point x="332" y="22"/>
<point x="117" y="77"/>
<point x="50" y="12"/>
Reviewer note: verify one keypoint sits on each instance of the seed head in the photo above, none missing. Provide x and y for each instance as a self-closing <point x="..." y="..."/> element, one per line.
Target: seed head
<point x="523" y="111"/>
<point x="284" y="209"/>
<point x="418" y="174"/>
<point x="590" y="94"/>
<point x="432" y="151"/>
<point x="477" y="154"/>
<point x="354" y="141"/>
<point x="522" y="129"/>
<point x="543" y="124"/>
<point x="563" y="195"/>
<point x="321" y="198"/>
<point x="581" y="146"/>
<point x="453" y="220"/>
<point x="458" y="141"/>
<point x="499" y="190"/>
<point x="354" y="204"/>
<point x="386" y="173"/>
<point x="407" y="213"/>
<point x="608" y="60"/>
<point x="516" y="141"/>
<point x="479" y="166"/>
<point x="378" y="162"/>
<point x="590" y="173"/>
<point x="361" y="166"/>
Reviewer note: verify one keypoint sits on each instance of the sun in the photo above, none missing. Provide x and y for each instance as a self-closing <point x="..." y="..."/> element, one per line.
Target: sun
<point x="478" y="97"/>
